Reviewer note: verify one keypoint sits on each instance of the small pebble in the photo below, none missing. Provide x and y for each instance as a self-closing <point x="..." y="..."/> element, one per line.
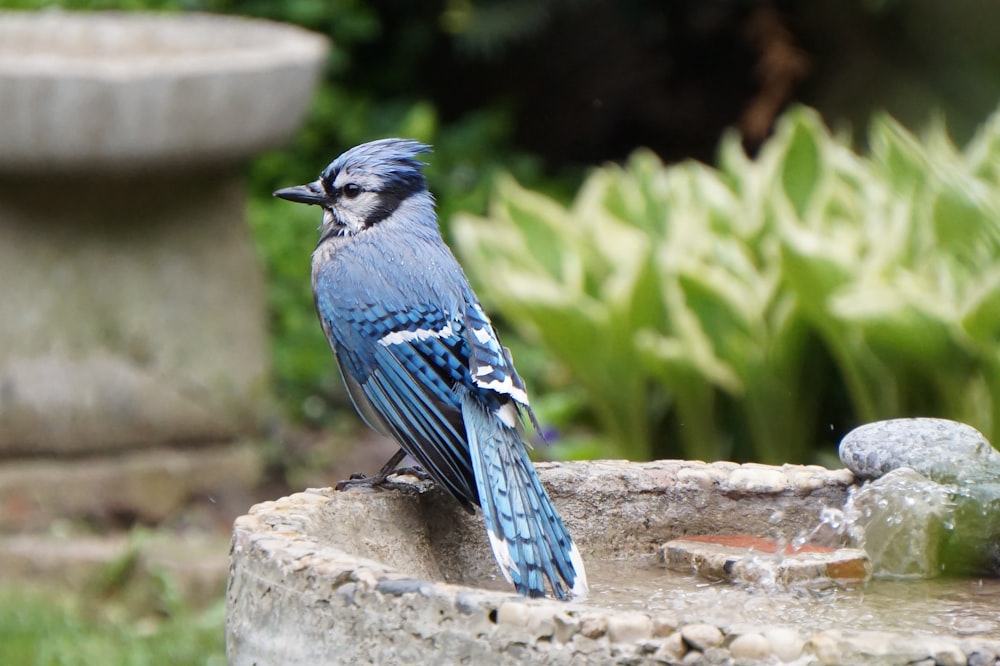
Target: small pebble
<point x="750" y="646"/>
<point x="664" y="625"/>
<point x="566" y="627"/>
<point x="786" y="644"/>
<point x="512" y="613"/>
<point x="672" y="648"/>
<point x="717" y="656"/>
<point x="825" y="647"/>
<point x="629" y="627"/>
<point x="540" y="621"/>
<point x="945" y="652"/>
<point x="536" y="620"/>
<point x="982" y="657"/>
<point x="693" y="658"/>
<point x="755" y="480"/>
<point x="697" y="477"/>
<point x="701" y="636"/>
<point x="594" y="626"/>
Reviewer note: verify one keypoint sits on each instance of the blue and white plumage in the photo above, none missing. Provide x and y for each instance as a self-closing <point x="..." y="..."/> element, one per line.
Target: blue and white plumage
<point x="421" y="360"/>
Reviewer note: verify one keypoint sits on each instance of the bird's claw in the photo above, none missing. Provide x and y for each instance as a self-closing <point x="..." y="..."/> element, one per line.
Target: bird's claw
<point x="382" y="481"/>
<point x="415" y="471"/>
<point x="356" y="480"/>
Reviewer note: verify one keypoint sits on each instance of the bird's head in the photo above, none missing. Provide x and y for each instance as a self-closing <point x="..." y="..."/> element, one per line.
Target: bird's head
<point x="364" y="186"/>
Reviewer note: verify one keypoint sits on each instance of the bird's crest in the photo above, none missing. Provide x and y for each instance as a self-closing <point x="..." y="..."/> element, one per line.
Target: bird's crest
<point x="389" y="162"/>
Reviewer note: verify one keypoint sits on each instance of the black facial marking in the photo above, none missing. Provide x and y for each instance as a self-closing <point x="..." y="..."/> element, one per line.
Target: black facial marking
<point x="390" y="198"/>
<point x="335" y="230"/>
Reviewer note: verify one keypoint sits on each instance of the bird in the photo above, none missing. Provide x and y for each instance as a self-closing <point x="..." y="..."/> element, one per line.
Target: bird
<point x="423" y="363"/>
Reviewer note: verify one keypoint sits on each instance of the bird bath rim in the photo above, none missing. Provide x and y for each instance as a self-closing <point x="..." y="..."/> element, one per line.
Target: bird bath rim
<point x="92" y="45"/>
<point x="121" y="91"/>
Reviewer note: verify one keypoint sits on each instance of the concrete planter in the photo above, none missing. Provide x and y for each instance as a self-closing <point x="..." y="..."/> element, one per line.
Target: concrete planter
<point x="132" y="311"/>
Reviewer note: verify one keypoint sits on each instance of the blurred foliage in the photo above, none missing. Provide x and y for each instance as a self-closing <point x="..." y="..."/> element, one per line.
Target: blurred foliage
<point x="719" y="297"/>
<point x="518" y="87"/>
<point x="44" y="629"/>
<point x="129" y="619"/>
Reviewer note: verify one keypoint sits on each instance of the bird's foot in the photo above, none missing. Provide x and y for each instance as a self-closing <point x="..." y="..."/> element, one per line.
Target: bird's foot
<point x="382" y="480"/>
<point x="415" y="471"/>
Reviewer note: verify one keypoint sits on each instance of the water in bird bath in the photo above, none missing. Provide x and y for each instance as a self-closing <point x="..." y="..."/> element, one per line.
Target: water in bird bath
<point x="907" y="595"/>
<point x="958" y="607"/>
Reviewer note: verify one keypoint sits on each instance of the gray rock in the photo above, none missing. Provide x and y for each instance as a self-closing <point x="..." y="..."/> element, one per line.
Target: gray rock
<point x="959" y="465"/>
<point x="400" y="586"/>
<point x="943" y="451"/>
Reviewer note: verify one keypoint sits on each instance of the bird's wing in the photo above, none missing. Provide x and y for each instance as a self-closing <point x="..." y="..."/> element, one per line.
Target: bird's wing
<point x="492" y="367"/>
<point x="401" y="366"/>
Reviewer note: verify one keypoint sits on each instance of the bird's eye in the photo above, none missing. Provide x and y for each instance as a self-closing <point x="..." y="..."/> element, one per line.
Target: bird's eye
<point x="352" y="190"/>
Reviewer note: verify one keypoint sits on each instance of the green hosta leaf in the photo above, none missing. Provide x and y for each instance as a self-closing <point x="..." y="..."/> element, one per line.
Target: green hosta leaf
<point x="803" y="166"/>
<point x="898" y="154"/>
<point x="734" y="164"/>
<point x="625" y="251"/>
<point x="964" y="228"/>
<point x="688" y="346"/>
<point x="542" y="222"/>
<point x="730" y="326"/>
<point x="981" y="319"/>
<point x="636" y="194"/>
<point x="814" y="265"/>
<point x="982" y="155"/>
<point x="902" y="320"/>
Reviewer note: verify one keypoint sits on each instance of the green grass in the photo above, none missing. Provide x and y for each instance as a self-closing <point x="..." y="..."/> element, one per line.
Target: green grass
<point x="46" y="627"/>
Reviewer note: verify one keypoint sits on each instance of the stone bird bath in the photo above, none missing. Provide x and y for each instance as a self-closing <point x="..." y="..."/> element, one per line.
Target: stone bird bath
<point x="133" y="332"/>
<point x="324" y="577"/>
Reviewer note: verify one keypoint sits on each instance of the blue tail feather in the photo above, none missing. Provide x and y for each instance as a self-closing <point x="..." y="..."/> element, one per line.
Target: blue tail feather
<point x="528" y="537"/>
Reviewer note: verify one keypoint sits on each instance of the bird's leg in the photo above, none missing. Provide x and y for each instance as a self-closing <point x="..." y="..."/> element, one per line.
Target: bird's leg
<point x="381" y="478"/>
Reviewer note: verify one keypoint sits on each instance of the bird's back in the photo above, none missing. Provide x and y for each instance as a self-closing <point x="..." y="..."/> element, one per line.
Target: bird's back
<point x="398" y="308"/>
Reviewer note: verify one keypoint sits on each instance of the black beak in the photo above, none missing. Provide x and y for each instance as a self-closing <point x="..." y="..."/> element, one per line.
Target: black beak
<point x="311" y="193"/>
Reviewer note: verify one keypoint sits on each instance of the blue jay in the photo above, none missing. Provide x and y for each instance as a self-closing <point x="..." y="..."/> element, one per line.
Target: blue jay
<point x="421" y="360"/>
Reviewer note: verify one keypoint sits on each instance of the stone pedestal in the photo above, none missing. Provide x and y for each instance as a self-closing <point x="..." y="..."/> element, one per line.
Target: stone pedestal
<point x="132" y="313"/>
